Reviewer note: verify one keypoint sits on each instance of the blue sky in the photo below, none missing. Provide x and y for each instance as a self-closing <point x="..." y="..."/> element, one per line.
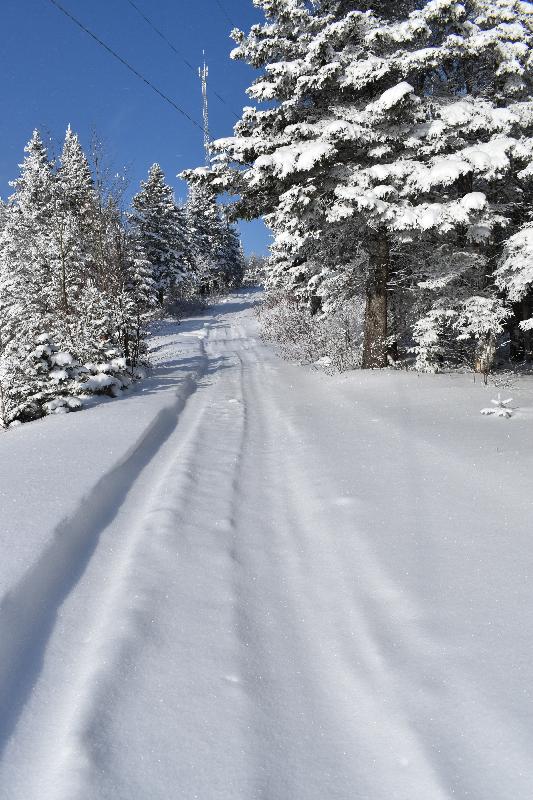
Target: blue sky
<point x="52" y="74"/>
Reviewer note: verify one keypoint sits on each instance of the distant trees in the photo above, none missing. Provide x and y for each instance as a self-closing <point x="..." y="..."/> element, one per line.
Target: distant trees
<point x="161" y="231"/>
<point x="215" y="245"/>
<point x="255" y="267"/>
<point x="80" y="280"/>
<point x="393" y="163"/>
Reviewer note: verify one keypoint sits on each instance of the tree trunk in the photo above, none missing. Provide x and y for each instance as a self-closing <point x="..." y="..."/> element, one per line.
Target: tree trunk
<point x="375" y="337"/>
<point x="520" y="341"/>
<point x="315" y="304"/>
<point x="485" y="355"/>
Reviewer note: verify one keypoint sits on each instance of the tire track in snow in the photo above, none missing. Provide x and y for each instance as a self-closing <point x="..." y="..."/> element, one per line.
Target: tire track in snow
<point x="176" y="511"/>
<point x="257" y="637"/>
<point x="407" y="700"/>
<point x="32" y="606"/>
<point x="320" y="689"/>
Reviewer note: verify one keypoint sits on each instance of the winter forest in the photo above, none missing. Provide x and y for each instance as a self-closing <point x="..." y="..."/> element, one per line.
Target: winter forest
<point x="80" y="278"/>
<point x="281" y="267"/>
<point x="391" y="156"/>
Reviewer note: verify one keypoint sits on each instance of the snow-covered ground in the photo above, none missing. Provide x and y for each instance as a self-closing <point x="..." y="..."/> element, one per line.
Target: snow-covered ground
<point x="250" y="581"/>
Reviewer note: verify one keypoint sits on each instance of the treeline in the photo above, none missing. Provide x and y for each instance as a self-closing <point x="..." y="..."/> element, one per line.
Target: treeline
<point x="80" y="278"/>
<point x="393" y="161"/>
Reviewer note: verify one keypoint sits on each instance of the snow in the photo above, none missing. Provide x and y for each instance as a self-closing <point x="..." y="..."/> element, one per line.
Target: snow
<point x="474" y="201"/>
<point x="100" y="382"/>
<point x="62" y="359"/>
<point x="391" y="97"/>
<point x="515" y="273"/>
<point x="58" y="375"/>
<point x="302" y="156"/>
<point x="246" y="579"/>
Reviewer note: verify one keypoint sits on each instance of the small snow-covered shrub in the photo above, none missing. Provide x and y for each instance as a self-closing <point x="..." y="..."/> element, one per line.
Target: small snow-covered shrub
<point x="108" y="377"/>
<point x="331" y="342"/>
<point x="499" y="408"/>
<point x="62" y="405"/>
<point x="431" y="335"/>
<point x="32" y="376"/>
<point x="465" y="334"/>
<point x="38" y="379"/>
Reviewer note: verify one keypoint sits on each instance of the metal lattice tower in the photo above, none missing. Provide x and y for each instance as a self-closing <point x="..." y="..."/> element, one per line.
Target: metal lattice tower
<point x="203" y="73"/>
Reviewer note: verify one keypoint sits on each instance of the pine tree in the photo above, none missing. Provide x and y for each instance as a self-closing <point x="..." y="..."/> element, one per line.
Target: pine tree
<point x="514" y="278"/>
<point x="75" y="293"/>
<point x="3" y="215"/>
<point x="206" y="234"/>
<point x="73" y="267"/>
<point x="24" y="269"/>
<point x="231" y="254"/>
<point x="139" y="301"/>
<point x="388" y="134"/>
<point x="215" y="243"/>
<point x="160" y="227"/>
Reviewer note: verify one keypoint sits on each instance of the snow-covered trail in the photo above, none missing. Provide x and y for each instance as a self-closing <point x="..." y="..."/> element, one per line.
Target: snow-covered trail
<point x="291" y="587"/>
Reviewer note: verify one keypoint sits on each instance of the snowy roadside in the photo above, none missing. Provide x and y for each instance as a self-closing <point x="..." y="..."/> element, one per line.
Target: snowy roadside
<point x="49" y="468"/>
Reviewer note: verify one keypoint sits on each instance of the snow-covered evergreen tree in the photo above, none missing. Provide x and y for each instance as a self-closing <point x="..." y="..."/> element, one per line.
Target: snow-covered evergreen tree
<point x="388" y="133"/>
<point x="25" y="252"/>
<point x="3" y="215"/>
<point x="72" y="222"/>
<point x="138" y="302"/>
<point x="160" y="227"/>
<point x="254" y="270"/>
<point x="205" y="235"/>
<point x="514" y="278"/>
<point x="231" y="254"/>
<point x="215" y="244"/>
<point x="76" y="289"/>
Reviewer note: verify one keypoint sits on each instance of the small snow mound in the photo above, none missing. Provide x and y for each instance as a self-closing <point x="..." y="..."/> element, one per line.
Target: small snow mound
<point x="62" y="405"/>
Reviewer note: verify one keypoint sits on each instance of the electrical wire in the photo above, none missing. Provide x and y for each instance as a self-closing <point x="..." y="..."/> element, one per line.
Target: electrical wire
<point x="126" y="64"/>
<point x="219" y="4"/>
<point x="177" y="52"/>
<point x="159" y="33"/>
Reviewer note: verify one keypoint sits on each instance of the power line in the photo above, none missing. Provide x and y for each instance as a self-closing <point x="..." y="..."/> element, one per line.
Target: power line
<point x="126" y="64"/>
<point x="159" y="33"/>
<point x="219" y="4"/>
<point x="176" y="51"/>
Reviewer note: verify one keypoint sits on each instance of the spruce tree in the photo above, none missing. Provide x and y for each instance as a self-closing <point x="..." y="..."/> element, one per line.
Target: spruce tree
<point x="205" y="230"/>
<point x="75" y="294"/>
<point x="160" y="227"/>
<point x="388" y="134"/>
<point x="25" y="257"/>
<point x="72" y="223"/>
<point x="231" y="254"/>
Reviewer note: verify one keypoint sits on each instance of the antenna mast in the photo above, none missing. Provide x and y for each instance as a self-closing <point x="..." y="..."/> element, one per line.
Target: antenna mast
<point x="203" y="73"/>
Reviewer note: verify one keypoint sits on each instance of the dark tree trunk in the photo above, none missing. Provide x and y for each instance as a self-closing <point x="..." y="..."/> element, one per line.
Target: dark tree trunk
<point x="375" y="337"/>
<point x="520" y="341"/>
<point x="315" y="304"/>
